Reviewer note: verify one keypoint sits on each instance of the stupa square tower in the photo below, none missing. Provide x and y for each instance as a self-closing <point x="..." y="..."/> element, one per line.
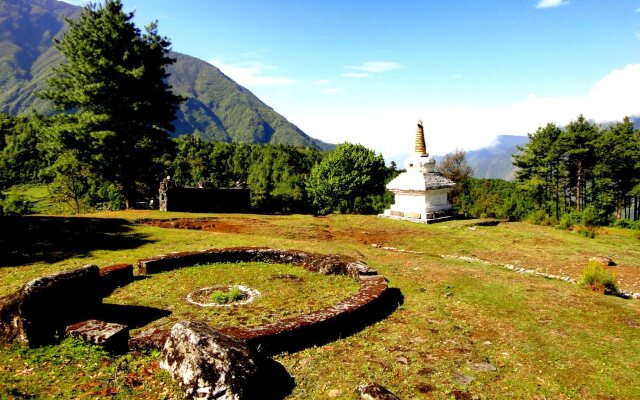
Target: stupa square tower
<point x="421" y="192"/>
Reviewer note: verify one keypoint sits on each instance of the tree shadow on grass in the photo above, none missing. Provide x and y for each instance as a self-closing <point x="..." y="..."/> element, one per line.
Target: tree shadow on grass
<point x="31" y="239"/>
<point x="131" y="315"/>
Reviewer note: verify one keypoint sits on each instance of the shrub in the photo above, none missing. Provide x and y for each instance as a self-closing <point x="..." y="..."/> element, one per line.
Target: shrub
<point x="587" y="232"/>
<point x="539" y="217"/>
<point x="229" y="296"/>
<point x="590" y="216"/>
<point x="565" y="222"/>
<point x="627" y="224"/>
<point x="15" y="204"/>
<point x="598" y="279"/>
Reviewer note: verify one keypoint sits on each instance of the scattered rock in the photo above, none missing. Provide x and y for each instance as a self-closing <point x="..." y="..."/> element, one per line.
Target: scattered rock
<point x="207" y="363"/>
<point x="373" y="391"/>
<point x="425" y="388"/>
<point x="402" y="360"/>
<point x="483" y="367"/>
<point x="604" y="261"/>
<point x="426" y="371"/>
<point x="461" y="395"/>
<point x="463" y="379"/>
<point x="112" y="336"/>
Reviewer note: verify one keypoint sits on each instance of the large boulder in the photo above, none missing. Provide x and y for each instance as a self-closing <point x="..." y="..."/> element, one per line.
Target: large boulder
<point x="209" y="364"/>
<point x="39" y="312"/>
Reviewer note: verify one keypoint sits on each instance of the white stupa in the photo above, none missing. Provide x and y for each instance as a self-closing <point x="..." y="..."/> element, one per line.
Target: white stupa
<point x="421" y="192"/>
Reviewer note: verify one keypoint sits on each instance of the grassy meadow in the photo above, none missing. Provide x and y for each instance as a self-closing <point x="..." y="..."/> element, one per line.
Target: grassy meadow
<point x="465" y="329"/>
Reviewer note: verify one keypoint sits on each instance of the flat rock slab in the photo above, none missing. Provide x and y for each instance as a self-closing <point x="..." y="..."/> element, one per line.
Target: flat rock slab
<point x="106" y="334"/>
<point x="483" y="367"/>
<point x="462" y="379"/>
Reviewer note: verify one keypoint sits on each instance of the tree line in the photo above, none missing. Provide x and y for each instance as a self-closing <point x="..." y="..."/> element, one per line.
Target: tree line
<point x="108" y="146"/>
<point x="583" y="173"/>
<point x="282" y="178"/>
<point x="582" y="166"/>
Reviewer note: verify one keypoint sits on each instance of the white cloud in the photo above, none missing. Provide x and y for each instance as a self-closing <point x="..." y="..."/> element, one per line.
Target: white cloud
<point x="551" y="3"/>
<point x="392" y="131"/>
<point x="252" y="73"/>
<point x="458" y="76"/>
<point x="76" y="2"/>
<point x="376" y="67"/>
<point x="323" y="82"/>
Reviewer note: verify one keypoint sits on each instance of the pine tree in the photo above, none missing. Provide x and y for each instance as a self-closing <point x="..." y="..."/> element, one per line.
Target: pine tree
<point x="618" y="166"/>
<point x="579" y="138"/>
<point x="114" y="90"/>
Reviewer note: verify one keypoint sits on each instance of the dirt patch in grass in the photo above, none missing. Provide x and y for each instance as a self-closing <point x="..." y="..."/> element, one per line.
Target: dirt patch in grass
<point x="200" y="224"/>
<point x="315" y="231"/>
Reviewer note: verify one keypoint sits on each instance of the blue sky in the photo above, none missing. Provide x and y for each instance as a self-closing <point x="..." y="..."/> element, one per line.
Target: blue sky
<point x="366" y="71"/>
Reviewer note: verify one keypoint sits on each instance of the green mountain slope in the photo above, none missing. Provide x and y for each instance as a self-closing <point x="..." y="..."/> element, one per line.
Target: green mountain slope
<point x="217" y="108"/>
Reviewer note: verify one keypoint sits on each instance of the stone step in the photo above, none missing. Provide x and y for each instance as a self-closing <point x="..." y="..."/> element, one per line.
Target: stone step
<point x="112" y="336"/>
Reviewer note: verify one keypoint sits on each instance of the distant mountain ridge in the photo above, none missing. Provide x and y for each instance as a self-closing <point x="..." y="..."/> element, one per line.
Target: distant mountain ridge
<point x="217" y="108"/>
<point x="495" y="160"/>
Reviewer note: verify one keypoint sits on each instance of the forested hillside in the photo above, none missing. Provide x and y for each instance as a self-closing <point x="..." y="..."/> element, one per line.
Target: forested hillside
<point x="217" y="108"/>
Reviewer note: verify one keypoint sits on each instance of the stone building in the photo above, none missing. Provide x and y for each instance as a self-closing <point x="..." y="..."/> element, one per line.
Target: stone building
<point x="203" y="199"/>
<point x="421" y="192"/>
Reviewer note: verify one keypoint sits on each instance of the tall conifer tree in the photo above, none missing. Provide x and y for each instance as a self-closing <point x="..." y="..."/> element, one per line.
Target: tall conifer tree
<point x="119" y="107"/>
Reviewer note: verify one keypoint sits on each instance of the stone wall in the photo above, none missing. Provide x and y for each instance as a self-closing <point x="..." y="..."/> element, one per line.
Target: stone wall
<point x="205" y="200"/>
<point x="39" y="311"/>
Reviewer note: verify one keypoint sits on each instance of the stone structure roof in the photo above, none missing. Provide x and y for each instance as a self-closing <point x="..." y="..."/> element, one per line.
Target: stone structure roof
<point x="418" y="181"/>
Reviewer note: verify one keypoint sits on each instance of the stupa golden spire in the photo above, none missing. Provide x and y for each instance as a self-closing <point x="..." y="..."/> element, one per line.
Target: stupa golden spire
<point x="421" y="147"/>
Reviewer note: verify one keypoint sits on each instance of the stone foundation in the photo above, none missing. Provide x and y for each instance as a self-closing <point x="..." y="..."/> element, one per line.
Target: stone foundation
<point x="373" y="297"/>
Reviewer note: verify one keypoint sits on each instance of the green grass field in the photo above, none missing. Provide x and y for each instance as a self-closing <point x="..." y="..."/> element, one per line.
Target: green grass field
<point x="546" y="338"/>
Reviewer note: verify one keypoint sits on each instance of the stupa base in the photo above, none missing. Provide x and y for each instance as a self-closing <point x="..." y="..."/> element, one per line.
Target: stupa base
<point x="427" y="218"/>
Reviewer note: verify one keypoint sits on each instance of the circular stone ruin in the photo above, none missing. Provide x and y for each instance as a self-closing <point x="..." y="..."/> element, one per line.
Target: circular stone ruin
<point x="299" y="331"/>
<point x="192" y="365"/>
